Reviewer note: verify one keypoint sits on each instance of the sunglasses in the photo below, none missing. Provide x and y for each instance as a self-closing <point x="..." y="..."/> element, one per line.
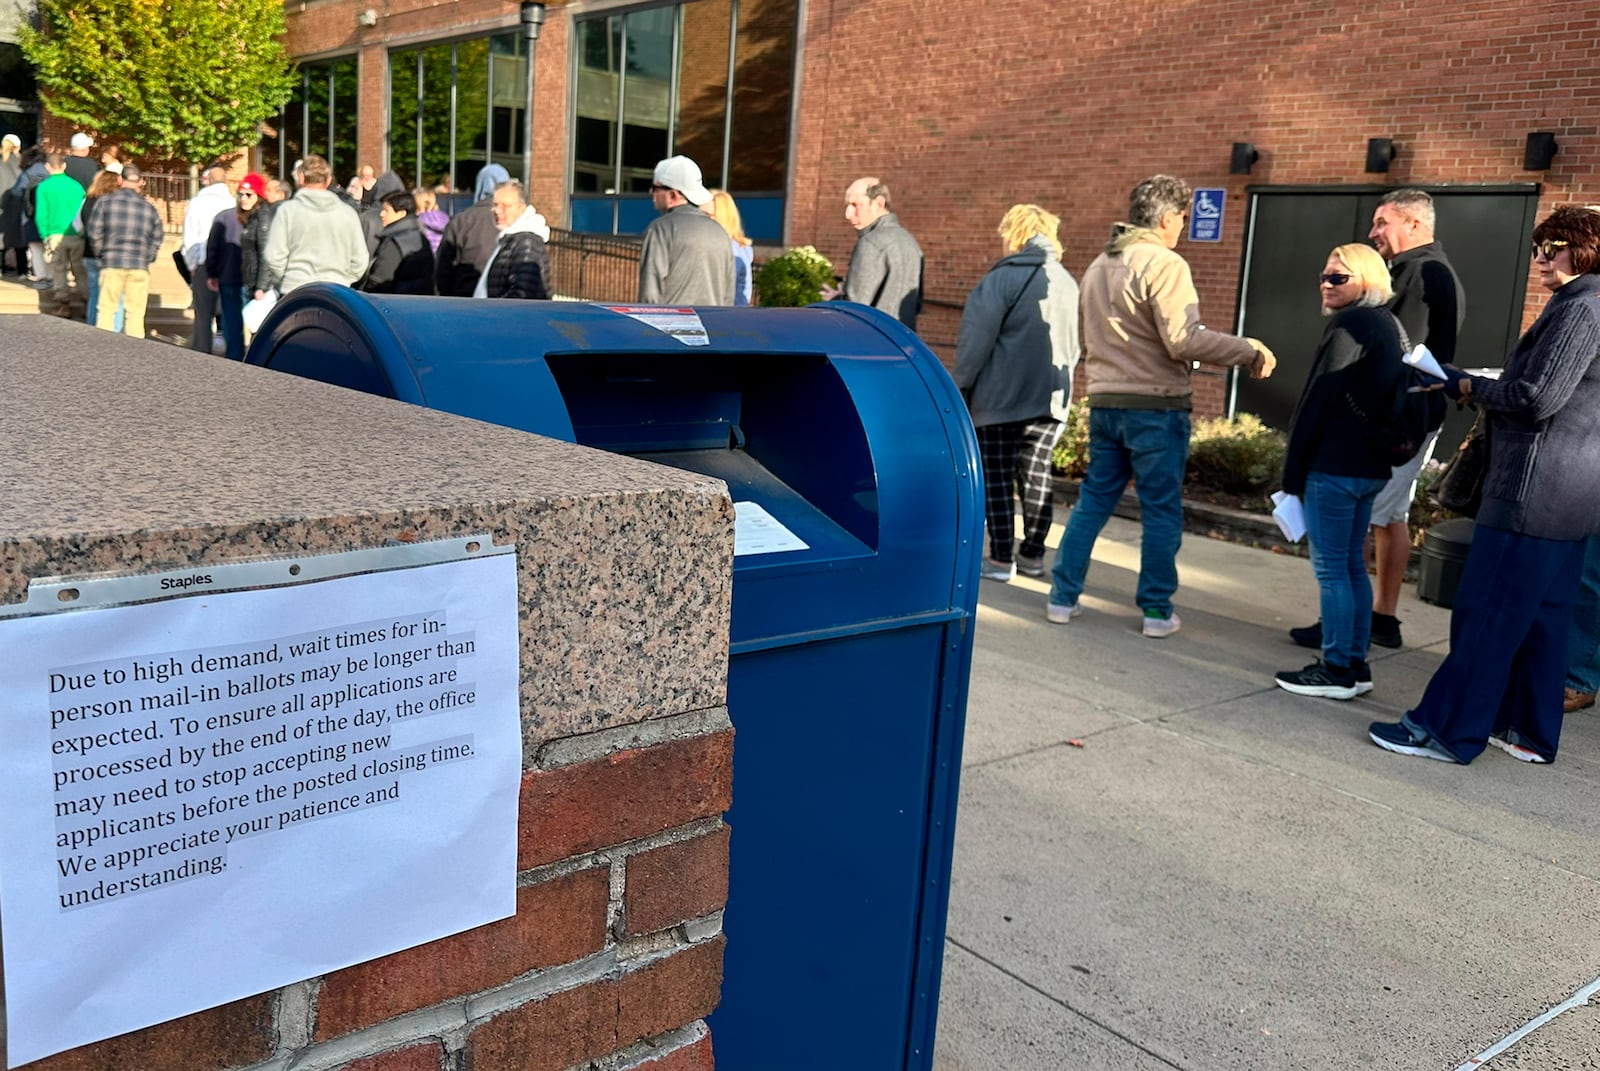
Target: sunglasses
<point x="1335" y="278"/>
<point x="1549" y="248"/>
<point x="658" y="188"/>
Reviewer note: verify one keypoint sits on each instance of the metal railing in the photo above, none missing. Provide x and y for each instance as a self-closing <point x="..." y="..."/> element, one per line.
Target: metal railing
<point x="170" y="194"/>
<point x="594" y="267"/>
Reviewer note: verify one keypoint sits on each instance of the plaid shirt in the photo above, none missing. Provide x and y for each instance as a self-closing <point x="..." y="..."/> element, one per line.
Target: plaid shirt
<point x="125" y="230"/>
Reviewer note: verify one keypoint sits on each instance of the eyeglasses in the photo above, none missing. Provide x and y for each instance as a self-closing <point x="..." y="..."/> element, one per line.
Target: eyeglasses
<point x="658" y="188"/>
<point x="1549" y="248"/>
<point x="1335" y="278"/>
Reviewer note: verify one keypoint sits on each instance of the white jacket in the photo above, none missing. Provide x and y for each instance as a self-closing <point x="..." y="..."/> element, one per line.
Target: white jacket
<point x="203" y="210"/>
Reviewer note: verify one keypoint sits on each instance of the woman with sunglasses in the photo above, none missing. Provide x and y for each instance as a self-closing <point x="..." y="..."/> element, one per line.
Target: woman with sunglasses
<point x="1335" y="465"/>
<point x="1502" y="681"/>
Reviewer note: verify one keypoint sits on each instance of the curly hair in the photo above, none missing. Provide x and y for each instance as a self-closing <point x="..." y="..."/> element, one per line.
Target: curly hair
<point x="1577" y="226"/>
<point x="1155" y="197"/>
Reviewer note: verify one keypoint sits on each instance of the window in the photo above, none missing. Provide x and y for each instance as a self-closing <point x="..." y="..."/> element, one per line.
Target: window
<point x="457" y="106"/>
<point x="321" y="117"/>
<point x="711" y="80"/>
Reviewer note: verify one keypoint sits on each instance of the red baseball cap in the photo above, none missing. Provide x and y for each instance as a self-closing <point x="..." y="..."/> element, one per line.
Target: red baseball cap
<point x="254" y="183"/>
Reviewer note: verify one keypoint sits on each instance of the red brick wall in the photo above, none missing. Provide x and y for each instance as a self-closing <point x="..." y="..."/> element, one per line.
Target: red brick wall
<point x="615" y="947"/>
<point x="965" y="110"/>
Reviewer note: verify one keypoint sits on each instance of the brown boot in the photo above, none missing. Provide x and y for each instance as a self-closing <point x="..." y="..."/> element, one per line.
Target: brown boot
<point x="1576" y="700"/>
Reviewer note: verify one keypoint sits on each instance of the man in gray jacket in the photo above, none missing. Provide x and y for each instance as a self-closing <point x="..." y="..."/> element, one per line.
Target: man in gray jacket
<point x="886" y="264"/>
<point x="687" y="257"/>
<point x="315" y="236"/>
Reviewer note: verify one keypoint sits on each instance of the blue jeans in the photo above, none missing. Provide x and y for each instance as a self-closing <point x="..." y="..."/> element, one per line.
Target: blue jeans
<point x="230" y="299"/>
<point x="1338" y="510"/>
<point x="1508" y="645"/>
<point x="1583" y="638"/>
<point x="1152" y="447"/>
<point x="91" y="272"/>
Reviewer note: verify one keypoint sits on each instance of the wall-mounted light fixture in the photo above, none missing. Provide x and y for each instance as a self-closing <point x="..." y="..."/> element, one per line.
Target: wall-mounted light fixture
<point x="531" y="16"/>
<point x="1540" y="150"/>
<point x="369" y="17"/>
<point x="1244" y="157"/>
<point x="1380" y="151"/>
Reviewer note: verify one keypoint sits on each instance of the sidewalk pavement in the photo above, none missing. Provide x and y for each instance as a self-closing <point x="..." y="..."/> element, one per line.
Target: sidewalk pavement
<point x="1227" y="877"/>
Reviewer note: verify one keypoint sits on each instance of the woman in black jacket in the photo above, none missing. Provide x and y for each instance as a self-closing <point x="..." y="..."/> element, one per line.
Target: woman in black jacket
<point x="403" y="263"/>
<point x="1337" y="466"/>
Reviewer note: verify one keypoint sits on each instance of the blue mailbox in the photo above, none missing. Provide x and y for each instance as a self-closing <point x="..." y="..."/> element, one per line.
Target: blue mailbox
<point x="854" y="468"/>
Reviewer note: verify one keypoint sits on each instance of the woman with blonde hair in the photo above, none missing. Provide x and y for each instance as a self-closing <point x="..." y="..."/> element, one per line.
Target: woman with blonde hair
<point x="1015" y="353"/>
<point x="722" y="209"/>
<point x="429" y="217"/>
<point x="1337" y="466"/>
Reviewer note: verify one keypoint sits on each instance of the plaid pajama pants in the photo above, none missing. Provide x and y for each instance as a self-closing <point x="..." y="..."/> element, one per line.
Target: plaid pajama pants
<point x="1016" y="462"/>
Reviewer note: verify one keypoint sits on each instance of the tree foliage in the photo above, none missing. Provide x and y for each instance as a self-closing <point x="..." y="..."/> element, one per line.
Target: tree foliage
<point x="184" y="80"/>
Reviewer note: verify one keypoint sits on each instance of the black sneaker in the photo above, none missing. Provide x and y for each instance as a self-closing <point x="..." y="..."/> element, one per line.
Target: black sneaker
<point x="1321" y="679"/>
<point x="1385" y="630"/>
<point x="1310" y="636"/>
<point x="1363" y="673"/>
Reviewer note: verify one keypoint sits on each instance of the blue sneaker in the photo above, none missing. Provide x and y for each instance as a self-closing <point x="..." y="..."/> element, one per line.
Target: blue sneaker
<point x="1404" y="738"/>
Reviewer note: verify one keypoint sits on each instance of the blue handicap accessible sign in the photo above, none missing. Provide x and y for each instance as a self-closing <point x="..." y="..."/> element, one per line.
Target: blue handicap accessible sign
<point x="1205" y="215"/>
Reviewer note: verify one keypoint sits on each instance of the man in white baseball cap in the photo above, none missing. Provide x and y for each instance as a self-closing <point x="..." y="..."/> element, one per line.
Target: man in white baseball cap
<point x="684" y="261"/>
<point x="79" y="164"/>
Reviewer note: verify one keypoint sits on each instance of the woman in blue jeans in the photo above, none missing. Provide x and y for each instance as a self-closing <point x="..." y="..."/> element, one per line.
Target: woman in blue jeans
<point x="1501" y="683"/>
<point x="1336" y="465"/>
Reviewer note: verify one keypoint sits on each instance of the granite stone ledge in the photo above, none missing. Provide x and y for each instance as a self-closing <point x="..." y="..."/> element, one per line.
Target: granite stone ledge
<point x="126" y="456"/>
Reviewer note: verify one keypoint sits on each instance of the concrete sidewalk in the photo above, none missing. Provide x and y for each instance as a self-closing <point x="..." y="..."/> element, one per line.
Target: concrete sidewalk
<point x="1227" y="877"/>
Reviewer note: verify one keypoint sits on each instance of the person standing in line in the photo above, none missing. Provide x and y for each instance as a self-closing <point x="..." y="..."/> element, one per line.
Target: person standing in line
<point x="107" y="181"/>
<point x="1142" y="335"/>
<point x="430" y="218"/>
<point x="722" y="208"/>
<point x="403" y="263"/>
<point x="1500" y="685"/>
<point x="1015" y="354"/>
<point x="469" y="238"/>
<point x="126" y="231"/>
<point x="316" y="236"/>
<point x="80" y="165"/>
<point x="886" y="264"/>
<point x="1431" y="306"/>
<point x="686" y="259"/>
<point x="12" y="248"/>
<point x="519" y="267"/>
<point x="225" y="263"/>
<point x="58" y="200"/>
<point x="213" y="199"/>
<point x="33" y="173"/>
<point x="253" y="242"/>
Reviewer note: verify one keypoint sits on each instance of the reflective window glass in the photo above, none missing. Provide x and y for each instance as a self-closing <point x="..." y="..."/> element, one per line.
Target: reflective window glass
<point x="595" y="140"/>
<point x="437" y="97"/>
<point x="646" y="93"/>
<point x="763" y="83"/>
<point x="294" y="128"/>
<point x="343" y="84"/>
<point x="403" y="98"/>
<point x="508" y="87"/>
<point x="703" y="86"/>
<point x="472" y="111"/>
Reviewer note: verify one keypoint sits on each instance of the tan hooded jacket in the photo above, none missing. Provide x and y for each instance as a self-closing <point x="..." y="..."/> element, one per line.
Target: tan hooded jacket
<point x="1141" y="326"/>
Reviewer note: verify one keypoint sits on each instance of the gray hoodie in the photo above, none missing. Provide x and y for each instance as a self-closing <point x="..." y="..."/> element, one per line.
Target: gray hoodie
<point x="315" y="238"/>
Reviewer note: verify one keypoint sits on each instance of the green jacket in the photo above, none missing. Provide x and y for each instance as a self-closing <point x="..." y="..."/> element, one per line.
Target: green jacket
<point x="56" y="204"/>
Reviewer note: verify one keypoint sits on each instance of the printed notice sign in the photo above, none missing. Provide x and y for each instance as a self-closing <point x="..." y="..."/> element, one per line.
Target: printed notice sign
<point x="225" y="793"/>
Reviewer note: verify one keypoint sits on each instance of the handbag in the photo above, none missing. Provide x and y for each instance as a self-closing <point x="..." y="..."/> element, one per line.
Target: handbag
<point x="183" y="267"/>
<point x="1460" y="486"/>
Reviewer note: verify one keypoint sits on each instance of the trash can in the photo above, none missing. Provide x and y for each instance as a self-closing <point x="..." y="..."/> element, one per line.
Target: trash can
<point x="1444" y="555"/>
<point x="858" y="492"/>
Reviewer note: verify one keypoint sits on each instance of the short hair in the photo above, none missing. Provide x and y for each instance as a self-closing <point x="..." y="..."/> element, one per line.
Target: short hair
<point x="217" y="173"/>
<point x="104" y="182"/>
<point x="401" y="201"/>
<point x="1024" y="222"/>
<point x="1580" y="229"/>
<point x="1155" y="197"/>
<point x="131" y="174"/>
<point x="55" y="160"/>
<point x="426" y="201"/>
<point x="1368" y="268"/>
<point x="515" y="186"/>
<point x="276" y="184"/>
<point x="1413" y="203"/>
<point x="314" y="171"/>
<point x="874" y="188"/>
<point x="722" y="208"/>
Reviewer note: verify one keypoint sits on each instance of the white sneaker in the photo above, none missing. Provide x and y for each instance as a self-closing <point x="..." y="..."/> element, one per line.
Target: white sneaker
<point x="1033" y="567"/>
<point x="1001" y="571"/>
<point x="1158" y="628"/>
<point x="1059" y="614"/>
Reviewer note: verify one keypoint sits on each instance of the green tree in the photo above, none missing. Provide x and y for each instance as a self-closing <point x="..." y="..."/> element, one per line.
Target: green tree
<point x="187" y="80"/>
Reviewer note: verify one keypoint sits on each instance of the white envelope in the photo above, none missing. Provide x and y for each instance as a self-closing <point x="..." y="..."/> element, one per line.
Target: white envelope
<point x="1290" y="515"/>
<point x="256" y="309"/>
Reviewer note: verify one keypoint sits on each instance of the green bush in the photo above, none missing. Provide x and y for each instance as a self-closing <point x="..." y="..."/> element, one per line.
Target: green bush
<point x="1071" y="456"/>
<point x="794" y="279"/>
<point x="1239" y="456"/>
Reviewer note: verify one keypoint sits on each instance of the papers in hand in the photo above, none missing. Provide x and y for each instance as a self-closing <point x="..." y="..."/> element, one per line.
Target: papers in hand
<point x="256" y="309"/>
<point x="1422" y="359"/>
<point x="1290" y="515"/>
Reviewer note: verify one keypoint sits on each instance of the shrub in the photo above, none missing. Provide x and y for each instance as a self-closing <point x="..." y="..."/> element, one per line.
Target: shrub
<point x="793" y="279"/>
<point x="1071" y="456"/>
<point x="1238" y="456"/>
